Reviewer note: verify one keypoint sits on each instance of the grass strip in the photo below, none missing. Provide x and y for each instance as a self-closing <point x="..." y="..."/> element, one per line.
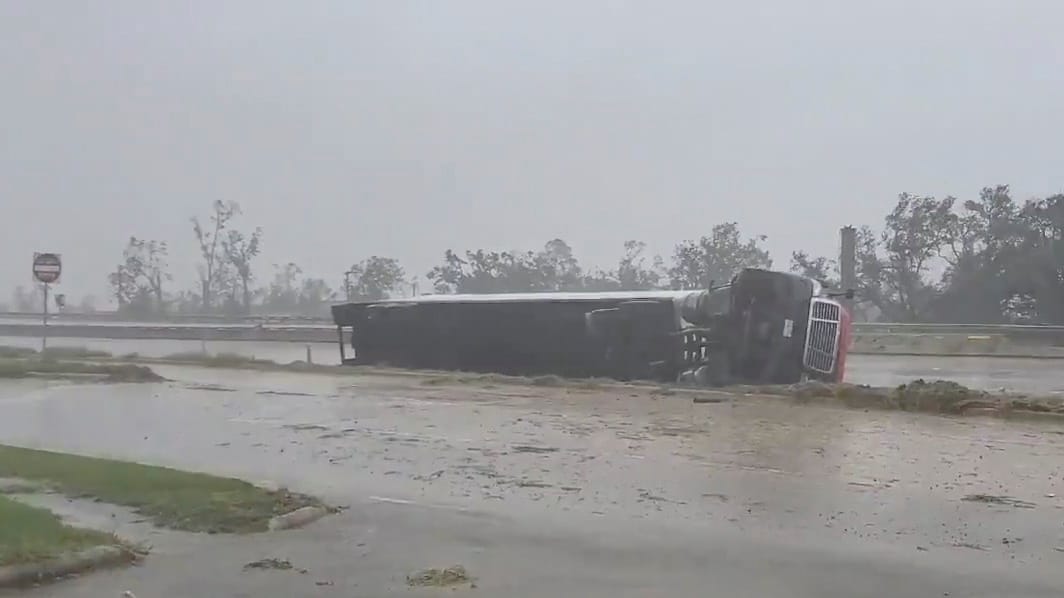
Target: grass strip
<point x="29" y="534"/>
<point x="171" y="498"/>
<point x="118" y="372"/>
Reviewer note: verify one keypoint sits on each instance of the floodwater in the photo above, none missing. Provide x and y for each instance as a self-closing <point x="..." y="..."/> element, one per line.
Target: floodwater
<point x="554" y="491"/>
<point x="1004" y="373"/>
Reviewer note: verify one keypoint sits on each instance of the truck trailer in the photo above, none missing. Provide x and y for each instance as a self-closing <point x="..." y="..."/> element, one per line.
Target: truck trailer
<point x="763" y="327"/>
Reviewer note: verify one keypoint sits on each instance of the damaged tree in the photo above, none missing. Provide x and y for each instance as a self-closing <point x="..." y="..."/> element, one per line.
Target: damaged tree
<point x="137" y="282"/>
<point x="209" y="240"/>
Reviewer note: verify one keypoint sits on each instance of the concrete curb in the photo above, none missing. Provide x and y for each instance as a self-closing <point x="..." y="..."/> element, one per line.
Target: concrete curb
<point x="297" y="518"/>
<point x="97" y="557"/>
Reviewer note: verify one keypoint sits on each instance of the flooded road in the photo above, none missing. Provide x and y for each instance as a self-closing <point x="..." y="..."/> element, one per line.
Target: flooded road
<point x="1014" y="374"/>
<point x="553" y="491"/>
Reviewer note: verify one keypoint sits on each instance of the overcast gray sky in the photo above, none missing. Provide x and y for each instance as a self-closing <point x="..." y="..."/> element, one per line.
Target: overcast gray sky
<point x="396" y="128"/>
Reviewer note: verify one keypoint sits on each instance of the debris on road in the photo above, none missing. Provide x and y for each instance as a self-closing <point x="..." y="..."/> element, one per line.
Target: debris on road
<point x="991" y="499"/>
<point x="440" y="578"/>
<point x="273" y="564"/>
<point x="520" y="448"/>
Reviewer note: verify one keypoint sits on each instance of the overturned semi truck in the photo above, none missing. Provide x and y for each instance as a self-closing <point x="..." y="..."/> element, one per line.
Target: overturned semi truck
<point x="764" y="327"/>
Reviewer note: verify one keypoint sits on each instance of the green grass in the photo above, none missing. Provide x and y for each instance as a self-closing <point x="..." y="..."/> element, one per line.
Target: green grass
<point x="170" y="498"/>
<point x="8" y="351"/>
<point x="125" y="372"/>
<point x="221" y="360"/>
<point x="74" y="353"/>
<point x="29" y="534"/>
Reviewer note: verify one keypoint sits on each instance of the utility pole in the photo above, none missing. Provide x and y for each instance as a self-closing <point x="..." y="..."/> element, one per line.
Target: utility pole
<point x="848" y="263"/>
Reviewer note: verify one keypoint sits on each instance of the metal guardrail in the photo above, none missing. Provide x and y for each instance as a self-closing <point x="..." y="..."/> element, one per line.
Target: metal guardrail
<point x="204" y="332"/>
<point x="955" y="328"/>
<point x="311" y="323"/>
<point x="1020" y="333"/>
<point x="110" y="316"/>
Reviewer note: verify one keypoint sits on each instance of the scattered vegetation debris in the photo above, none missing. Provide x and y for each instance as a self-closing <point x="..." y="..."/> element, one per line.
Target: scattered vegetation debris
<point x="490" y="380"/>
<point x="522" y="448"/>
<point x="440" y="578"/>
<point x="274" y="564"/>
<point x="999" y="500"/>
<point x="548" y="380"/>
<point x="305" y="427"/>
<point x="647" y="495"/>
<point x="438" y="380"/>
<point x="811" y="388"/>
<point x="210" y="387"/>
<point x="935" y="396"/>
<point x="432" y="476"/>
<point x="533" y="484"/>
<point x="939" y="396"/>
<point x="700" y="400"/>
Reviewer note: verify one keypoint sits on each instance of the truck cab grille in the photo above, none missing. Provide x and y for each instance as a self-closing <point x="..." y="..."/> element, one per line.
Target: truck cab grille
<point x="822" y="336"/>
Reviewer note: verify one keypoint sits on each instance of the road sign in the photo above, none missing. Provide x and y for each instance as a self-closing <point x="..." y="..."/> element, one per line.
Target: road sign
<point x="46" y="267"/>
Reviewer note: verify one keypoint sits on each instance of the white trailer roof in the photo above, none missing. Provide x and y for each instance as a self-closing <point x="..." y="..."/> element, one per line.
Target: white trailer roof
<point x="516" y="297"/>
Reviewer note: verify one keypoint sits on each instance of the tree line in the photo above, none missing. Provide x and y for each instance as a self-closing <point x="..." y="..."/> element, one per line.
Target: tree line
<point x="228" y="279"/>
<point x="992" y="259"/>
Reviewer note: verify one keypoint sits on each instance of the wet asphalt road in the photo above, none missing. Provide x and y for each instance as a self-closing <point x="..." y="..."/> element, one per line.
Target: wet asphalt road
<point x="544" y="491"/>
<point x="1015" y="374"/>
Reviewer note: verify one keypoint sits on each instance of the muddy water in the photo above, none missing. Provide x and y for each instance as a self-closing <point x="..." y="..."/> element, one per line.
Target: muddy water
<point x="752" y="463"/>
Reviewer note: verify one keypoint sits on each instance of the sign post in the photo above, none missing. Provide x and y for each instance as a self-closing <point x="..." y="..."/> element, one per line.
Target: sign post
<point x="46" y="269"/>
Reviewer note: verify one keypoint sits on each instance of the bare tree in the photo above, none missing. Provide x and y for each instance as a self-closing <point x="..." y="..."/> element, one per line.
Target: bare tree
<point x="209" y="240"/>
<point x="240" y="251"/>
